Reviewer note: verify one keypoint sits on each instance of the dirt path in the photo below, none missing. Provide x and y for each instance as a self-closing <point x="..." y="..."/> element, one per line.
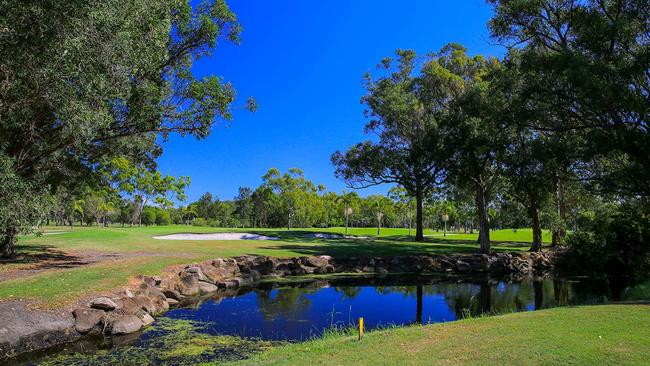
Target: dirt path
<point x="26" y="265"/>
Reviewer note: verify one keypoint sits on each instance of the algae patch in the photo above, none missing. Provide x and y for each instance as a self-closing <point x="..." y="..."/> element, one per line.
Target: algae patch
<point x="169" y="342"/>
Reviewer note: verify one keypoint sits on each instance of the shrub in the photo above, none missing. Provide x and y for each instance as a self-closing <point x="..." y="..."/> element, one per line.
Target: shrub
<point x="199" y="221"/>
<point x="617" y="244"/>
<point x="148" y="216"/>
<point x="163" y="217"/>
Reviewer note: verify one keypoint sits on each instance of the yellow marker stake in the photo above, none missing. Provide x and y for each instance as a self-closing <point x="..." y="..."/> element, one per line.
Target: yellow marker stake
<point x="360" y="328"/>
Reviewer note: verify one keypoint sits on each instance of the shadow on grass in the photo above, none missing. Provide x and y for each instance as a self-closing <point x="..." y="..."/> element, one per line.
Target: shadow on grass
<point x="303" y="242"/>
<point x="28" y="254"/>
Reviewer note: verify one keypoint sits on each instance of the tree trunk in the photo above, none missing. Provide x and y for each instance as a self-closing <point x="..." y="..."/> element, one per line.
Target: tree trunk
<point x="8" y="243"/>
<point x="346" y="220"/>
<point x="558" y="232"/>
<point x="533" y="212"/>
<point x="483" y="220"/>
<point x="419" y="217"/>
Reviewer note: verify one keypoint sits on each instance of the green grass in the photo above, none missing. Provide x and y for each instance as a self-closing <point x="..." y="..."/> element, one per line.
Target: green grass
<point x="593" y="335"/>
<point x="141" y="254"/>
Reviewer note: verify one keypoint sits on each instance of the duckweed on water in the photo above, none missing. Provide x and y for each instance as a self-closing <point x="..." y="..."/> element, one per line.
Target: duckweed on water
<point x="169" y="342"/>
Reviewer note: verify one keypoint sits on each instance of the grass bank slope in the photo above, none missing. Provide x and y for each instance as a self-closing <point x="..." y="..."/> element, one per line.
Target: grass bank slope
<point x="590" y="335"/>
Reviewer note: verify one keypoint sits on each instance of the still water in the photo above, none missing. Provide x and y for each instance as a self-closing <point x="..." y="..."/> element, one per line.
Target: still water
<point x="300" y="311"/>
<point x="233" y="324"/>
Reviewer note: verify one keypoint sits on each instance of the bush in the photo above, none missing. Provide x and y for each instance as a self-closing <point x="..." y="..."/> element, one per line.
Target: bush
<point x="148" y="216"/>
<point x="163" y="218"/>
<point x="199" y="221"/>
<point x="613" y="245"/>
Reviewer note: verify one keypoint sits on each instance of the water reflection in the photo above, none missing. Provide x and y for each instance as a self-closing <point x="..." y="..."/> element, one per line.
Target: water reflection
<point x="297" y="312"/>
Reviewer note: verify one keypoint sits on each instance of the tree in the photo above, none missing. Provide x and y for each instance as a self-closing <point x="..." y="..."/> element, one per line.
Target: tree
<point x="527" y="171"/>
<point x="20" y="206"/>
<point x="137" y="91"/>
<point x="404" y="111"/>
<point x="149" y="215"/>
<point x="585" y="66"/>
<point x="244" y="205"/>
<point x="446" y="212"/>
<point x="380" y="206"/>
<point x="144" y="185"/>
<point x="262" y="200"/>
<point x="188" y="213"/>
<point x="403" y="204"/>
<point x="348" y="200"/>
<point x="297" y="196"/>
<point x="475" y="133"/>
<point x="163" y="217"/>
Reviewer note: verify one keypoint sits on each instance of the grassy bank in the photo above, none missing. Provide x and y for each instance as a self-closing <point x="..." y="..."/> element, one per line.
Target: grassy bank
<point x="592" y="335"/>
<point x="65" y="263"/>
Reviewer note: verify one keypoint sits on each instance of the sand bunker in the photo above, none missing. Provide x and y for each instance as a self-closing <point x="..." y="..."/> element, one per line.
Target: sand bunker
<point x="330" y="236"/>
<point x="215" y="236"/>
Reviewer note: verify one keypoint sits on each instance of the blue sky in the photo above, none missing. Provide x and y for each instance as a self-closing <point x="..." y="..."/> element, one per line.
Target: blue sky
<point x="303" y="61"/>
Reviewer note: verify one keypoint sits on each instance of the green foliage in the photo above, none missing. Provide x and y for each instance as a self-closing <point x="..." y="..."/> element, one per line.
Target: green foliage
<point x="163" y="217"/>
<point x="614" y="243"/>
<point x="100" y="81"/>
<point x="149" y="215"/>
<point x="200" y="221"/>
<point x="583" y="76"/>
<point x="23" y="206"/>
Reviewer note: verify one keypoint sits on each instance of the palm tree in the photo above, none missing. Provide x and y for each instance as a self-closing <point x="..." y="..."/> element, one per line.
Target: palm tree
<point x="347" y="199"/>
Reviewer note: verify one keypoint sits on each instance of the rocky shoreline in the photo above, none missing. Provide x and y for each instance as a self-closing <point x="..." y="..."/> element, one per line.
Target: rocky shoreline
<point x="23" y="330"/>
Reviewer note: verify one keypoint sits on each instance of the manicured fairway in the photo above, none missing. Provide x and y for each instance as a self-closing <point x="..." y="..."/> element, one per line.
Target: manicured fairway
<point x="64" y="264"/>
<point x="591" y="335"/>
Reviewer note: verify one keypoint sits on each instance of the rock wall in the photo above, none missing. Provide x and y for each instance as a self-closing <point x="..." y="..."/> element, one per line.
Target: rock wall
<point x="136" y="306"/>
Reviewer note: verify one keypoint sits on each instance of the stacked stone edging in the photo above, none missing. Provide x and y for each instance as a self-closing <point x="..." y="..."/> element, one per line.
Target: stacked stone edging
<point x="136" y="306"/>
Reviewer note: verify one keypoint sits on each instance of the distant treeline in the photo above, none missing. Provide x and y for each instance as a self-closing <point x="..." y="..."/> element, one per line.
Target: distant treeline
<point x="291" y="200"/>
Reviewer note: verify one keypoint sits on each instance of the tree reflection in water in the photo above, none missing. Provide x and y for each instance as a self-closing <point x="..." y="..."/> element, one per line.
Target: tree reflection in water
<point x="298" y="311"/>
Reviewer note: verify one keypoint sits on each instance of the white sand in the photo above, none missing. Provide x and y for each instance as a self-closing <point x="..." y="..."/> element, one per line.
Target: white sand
<point x="331" y="236"/>
<point x="215" y="236"/>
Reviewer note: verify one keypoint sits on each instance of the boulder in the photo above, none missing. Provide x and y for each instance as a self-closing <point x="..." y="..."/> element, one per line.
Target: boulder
<point x="103" y="303"/>
<point x="189" y="284"/>
<point x="26" y="330"/>
<point x="283" y="269"/>
<point x="463" y="266"/>
<point x="129" y="305"/>
<point x="172" y="302"/>
<point x="195" y="269"/>
<point x="172" y="294"/>
<point x="169" y="281"/>
<point x="146" y="304"/>
<point x="125" y="324"/>
<point x="268" y="266"/>
<point x="215" y="275"/>
<point x="320" y="261"/>
<point x="160" y="303"/>
<point x="147" y="320"/>
<point x="307" y="269"/>
<point x="149" y="280"/>
<point x="86" y="319"/>
<point x="207" y="287"/>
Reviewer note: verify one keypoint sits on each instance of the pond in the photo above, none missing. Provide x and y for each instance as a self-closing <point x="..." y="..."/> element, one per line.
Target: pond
<point x="232" y="324"/>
